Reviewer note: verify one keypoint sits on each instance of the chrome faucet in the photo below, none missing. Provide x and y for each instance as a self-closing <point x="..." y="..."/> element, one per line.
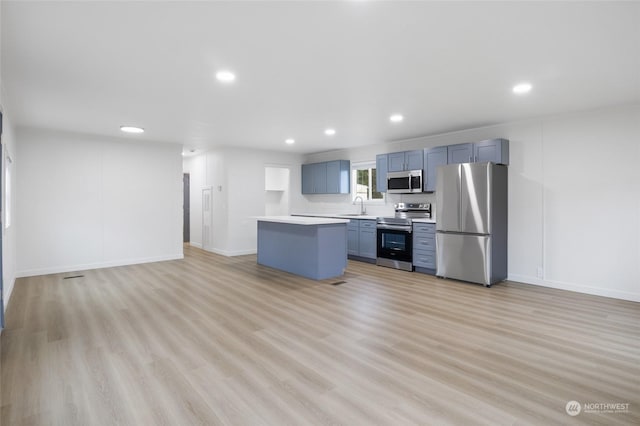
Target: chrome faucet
<point x="362" y="210"/>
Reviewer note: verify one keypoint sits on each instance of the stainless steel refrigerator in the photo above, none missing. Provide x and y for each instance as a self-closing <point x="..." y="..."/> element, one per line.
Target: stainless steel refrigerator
<point x="471" y="222"/>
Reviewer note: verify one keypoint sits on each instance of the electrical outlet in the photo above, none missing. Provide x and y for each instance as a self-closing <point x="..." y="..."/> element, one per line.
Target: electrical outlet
<point x="540" y="272"/>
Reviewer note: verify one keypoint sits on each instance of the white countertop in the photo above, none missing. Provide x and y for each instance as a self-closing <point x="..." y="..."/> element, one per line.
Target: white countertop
<point x="338" y="216"/>
<point x="301" y="220"/>
<point x="349" y="216"/>
<point x="423" y="220"/>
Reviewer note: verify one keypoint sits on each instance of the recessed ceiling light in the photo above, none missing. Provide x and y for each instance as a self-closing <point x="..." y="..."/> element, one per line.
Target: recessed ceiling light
<point x="330" y="132"/>
<point x="225" y="76"/>
<point x="396" y="118"/>
<point x="522" y="88"/>
<point x="290" y="141"/>
<point x="132" y="129"/>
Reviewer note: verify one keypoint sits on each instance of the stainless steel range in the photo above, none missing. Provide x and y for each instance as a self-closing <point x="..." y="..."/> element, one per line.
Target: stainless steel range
<point x="395" y="238"/>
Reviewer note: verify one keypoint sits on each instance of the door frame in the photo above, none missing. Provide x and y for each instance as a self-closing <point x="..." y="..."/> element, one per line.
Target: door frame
<point x="2" y="192"/>
<point x="207" y="236"/>
<point x="186" y="207"/>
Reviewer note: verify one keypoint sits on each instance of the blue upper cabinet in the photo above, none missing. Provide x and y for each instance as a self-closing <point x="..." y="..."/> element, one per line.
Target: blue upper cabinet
<point x="381" y="172"/>
<point x="495" y="150"/>
<point x="433" y="157"/>
<point x="406" y="160"/>
<point x="307" y="179"/>
<point x="461" y="153"/>
<point x="320" y="178"/>
<point x="396" y="162"/>
<point x="337" y="177"/>
<point x="414" y="159"/>
<point x="330" y="177"/>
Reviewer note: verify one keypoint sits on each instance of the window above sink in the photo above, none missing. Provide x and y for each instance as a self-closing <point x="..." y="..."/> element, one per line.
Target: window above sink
<point x="363" y="183"/>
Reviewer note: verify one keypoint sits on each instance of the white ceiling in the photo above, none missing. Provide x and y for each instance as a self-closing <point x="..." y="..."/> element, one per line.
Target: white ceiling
<point x="304" y="66"/>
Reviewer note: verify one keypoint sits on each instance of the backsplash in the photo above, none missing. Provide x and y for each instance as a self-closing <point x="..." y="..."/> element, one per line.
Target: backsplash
<point x="336" y="204"/>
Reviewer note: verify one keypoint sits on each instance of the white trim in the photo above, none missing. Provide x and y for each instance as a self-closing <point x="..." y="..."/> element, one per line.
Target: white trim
<point x="8" y="289"/>
<point x="7" y="191"/>
<point x="578" y="288"/>
<point x="231" y="253"/>
<point x="194" y="244"/>
<point x="363" y="163"/>
<point x="97" y="265"/>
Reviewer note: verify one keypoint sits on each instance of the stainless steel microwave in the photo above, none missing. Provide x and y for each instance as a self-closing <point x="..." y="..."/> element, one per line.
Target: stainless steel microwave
<point x="404" y="182"/>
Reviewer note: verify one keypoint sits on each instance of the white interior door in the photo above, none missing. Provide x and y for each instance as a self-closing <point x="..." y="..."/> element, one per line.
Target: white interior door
<point x="207" y="215"/>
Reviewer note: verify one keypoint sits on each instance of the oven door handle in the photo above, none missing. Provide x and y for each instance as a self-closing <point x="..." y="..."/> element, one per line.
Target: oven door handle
<point x="394" y="227"/>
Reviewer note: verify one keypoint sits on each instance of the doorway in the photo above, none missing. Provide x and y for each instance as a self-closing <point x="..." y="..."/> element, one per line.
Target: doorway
<point x="186" y="208"/>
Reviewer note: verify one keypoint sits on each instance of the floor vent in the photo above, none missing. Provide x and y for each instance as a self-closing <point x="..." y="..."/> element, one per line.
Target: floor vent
<point x="338" y="282"/>
<point x="73" y="276"/>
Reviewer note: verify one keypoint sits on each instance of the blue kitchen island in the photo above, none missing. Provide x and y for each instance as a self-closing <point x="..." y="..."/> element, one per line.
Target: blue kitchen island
<point x="313" y="247"/>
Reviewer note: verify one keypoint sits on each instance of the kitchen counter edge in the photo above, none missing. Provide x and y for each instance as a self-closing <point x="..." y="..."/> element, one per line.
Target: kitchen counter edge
<point x="337" y="216"/>
<point x="359" y="217"/>
<point x="301" y="220"/>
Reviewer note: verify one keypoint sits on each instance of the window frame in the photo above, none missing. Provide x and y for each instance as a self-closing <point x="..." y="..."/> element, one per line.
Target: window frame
<point x="361" y="165"/>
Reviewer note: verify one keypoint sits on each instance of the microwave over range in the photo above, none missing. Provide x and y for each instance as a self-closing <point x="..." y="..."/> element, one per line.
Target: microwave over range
<point x="404" y="182"/>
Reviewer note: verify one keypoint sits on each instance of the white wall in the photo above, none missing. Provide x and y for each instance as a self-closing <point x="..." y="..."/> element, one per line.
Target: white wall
<point x="574" y="197"/>
<point x="238" y="180"/>
<point x="88" y="202"/>
<point x="9" y="234"/>
<point x="591" y="207"/>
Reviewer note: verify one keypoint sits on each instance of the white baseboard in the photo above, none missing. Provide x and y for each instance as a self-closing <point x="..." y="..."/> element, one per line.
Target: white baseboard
<point x="578" y="288"/>
<point x="196" y="245"/>
<point x="231" y="253"/>
<point x="8" y="290"/>
<point x="96" y="265"/>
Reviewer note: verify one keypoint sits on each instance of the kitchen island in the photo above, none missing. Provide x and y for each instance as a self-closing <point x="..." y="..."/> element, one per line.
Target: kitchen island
<point x="313" y="247"/>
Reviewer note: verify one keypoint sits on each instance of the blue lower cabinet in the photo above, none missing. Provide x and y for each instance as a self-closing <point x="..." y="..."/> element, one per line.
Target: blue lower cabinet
<point x="424" y="258"/>
<point x="424" y="247"/>
<point x="362" y="240"/>
<point x="313" y="251"/>
<point x="368" y="246"/>
<point x="353" y="238"/>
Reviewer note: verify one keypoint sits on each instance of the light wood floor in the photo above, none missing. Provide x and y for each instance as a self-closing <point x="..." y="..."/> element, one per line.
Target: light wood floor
<point x="214" y="340"/>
